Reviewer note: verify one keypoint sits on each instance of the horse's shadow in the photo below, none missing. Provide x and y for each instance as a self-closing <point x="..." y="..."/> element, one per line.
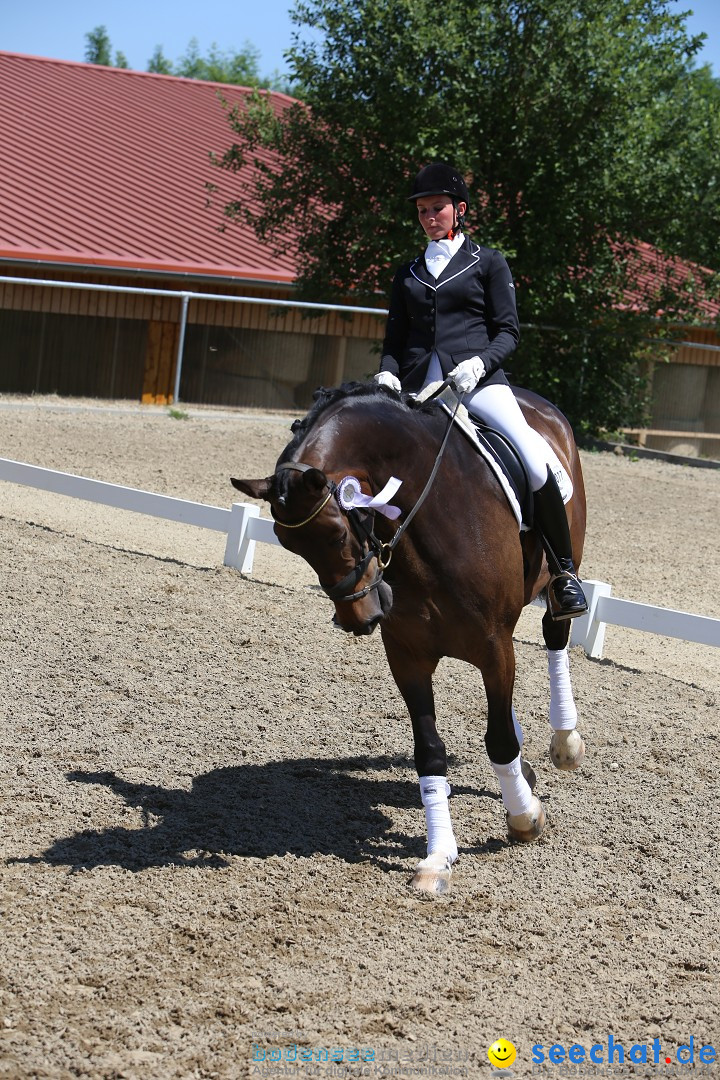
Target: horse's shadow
<point x="303" y="807"/>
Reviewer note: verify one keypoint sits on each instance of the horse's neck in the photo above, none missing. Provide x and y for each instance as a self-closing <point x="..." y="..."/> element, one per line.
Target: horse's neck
<point x="375" y="444"/>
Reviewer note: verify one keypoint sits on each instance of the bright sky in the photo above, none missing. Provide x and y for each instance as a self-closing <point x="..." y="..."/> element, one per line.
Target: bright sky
<point x="56" y="28"/>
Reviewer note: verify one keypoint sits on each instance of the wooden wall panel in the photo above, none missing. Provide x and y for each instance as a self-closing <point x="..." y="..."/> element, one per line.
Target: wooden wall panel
<point x="704" y="357"/>
<point x="160" y="358"/>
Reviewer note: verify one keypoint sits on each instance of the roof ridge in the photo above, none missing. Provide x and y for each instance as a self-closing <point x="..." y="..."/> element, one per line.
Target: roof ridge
<point x="109" y="69"/>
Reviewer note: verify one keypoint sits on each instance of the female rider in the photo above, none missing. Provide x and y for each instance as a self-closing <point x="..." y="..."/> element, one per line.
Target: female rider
<point x="453" y="315"/>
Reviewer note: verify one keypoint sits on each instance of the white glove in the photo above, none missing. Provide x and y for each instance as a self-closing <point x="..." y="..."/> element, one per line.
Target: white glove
<point x="467" y="374"/>
<point x="386" y="378"/>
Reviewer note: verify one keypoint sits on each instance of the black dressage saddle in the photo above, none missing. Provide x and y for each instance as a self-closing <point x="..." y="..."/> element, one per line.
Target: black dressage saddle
<point x="511" y="464"/>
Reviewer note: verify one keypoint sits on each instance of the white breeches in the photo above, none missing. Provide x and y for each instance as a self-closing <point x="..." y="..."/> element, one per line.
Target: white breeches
<point x="497" y="407"/>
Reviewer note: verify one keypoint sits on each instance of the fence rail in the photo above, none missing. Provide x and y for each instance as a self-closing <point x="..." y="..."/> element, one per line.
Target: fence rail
<point x="245" y="528"/>
<point x="607" y="610"/>
<point x="642" y="434"/>
<point x="241" y="522"/>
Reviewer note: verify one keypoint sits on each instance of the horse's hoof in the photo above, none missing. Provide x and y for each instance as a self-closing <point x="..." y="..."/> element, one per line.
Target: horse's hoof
<point x="528" y="826"/>
<point x="567" y="750"/>
<point x="432" y="875"/>
<point x="529" y="774"/>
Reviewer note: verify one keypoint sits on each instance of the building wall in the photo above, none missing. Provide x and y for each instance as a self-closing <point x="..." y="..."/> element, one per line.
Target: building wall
<point x="118" y="345"/>
<point x="113" y="344"/>
<point x="686" y="397"/>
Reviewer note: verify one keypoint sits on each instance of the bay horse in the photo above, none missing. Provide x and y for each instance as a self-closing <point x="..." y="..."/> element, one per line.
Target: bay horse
<point x="450" y="579"/>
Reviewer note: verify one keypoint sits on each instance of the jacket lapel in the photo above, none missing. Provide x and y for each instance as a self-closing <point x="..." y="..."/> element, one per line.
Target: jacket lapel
<point x="463" y="260"/>
<point x="419" y="270"/>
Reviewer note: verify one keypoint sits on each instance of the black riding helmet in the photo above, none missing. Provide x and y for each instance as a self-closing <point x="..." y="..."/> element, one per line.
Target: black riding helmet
<point x="441" y="179"/>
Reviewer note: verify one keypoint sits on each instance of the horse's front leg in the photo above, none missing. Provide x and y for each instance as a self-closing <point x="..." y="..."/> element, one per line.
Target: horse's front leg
<point x="567" y="748"/>
<point x="525" y="814"/>
<point x="415" y="684"/>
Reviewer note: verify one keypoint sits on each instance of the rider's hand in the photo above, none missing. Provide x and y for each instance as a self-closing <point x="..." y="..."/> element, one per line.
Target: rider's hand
<point x="386" y="378"/>
<point x="467" y="374"/>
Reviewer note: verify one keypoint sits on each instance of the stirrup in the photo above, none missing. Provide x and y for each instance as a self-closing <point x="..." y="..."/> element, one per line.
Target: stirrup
<point x="577" y="606"/>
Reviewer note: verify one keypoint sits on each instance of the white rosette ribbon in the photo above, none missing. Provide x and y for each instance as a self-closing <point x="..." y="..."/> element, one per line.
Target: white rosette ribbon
<point x="350" y="496"/>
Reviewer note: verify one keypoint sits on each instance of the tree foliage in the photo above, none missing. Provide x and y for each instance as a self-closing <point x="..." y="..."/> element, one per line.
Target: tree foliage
<point x="578" y="123"/>
<point x="98" y="49"/>
<point x="236" y="66"/>
<point x="158" y="64"/>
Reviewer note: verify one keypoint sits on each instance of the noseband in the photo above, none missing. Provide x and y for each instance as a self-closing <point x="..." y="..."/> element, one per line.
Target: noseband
<point x="378" y="550"/>
<point x="364" y="534"/>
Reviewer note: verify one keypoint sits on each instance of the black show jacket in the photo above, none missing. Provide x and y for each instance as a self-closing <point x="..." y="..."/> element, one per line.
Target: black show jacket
<point x="468" y="311"/>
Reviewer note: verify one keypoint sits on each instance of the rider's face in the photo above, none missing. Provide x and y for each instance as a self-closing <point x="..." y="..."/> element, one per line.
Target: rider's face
<point x="436" y="214"/>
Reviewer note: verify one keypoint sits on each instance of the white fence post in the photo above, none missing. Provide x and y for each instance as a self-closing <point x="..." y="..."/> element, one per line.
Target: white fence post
<point x="246" y="529"/>
<point x="239" y="548"/>
<point x="587" y="630"/>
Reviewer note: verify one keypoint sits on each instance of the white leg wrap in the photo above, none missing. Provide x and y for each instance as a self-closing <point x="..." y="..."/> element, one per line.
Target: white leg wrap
<point x="434" y="791"/>
<point x="516" y="793"/>
<point x="563" y="713"/>
<point x="518" y="730"/>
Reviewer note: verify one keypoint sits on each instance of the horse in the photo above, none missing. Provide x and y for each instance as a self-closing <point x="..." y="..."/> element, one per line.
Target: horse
<point x="451" y="579"/>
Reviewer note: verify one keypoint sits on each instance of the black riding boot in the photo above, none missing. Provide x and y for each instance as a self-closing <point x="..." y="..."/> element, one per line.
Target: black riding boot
<point x="566" y="599"/>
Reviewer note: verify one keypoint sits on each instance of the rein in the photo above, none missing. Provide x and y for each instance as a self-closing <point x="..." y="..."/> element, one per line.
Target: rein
<point x="376" y="548"/>
<point x="425" y="491"/>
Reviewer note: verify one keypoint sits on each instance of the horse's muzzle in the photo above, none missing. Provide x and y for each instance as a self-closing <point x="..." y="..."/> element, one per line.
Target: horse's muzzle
<point x="360" y="629"/>
<point x="363" y="627"/>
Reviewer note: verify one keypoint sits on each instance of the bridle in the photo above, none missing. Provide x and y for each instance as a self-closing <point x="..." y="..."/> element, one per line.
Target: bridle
<point x="380" y="550"/>
<point x="363" y="533"/>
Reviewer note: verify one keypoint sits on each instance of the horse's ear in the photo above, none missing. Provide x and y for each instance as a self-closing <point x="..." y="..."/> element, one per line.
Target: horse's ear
<point x="256" y="489"/>
<point x="314" y="480"/>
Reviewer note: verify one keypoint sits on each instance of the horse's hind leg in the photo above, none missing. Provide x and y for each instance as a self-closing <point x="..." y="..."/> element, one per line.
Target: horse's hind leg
<point x="525" y="814"/>
<point x="567" y="748"/>
<point x="415" y="685"/>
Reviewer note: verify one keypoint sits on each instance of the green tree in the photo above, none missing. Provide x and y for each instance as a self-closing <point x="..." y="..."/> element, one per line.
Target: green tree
<point x="98" y="49"/>
<point x="689" y="221"/>
<point x="159" y="63"/>
<point x="240" y="67"/>
<point x="563" y="114"/>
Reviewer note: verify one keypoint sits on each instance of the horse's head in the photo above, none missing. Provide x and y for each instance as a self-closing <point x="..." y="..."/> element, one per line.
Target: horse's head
<point x="339" y="545"/>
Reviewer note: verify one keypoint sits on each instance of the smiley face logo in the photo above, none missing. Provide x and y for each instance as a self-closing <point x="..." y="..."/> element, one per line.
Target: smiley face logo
<point x="502" y="1053"/>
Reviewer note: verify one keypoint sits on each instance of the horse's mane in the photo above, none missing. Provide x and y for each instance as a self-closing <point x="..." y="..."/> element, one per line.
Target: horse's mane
<point x="324" y="397"/>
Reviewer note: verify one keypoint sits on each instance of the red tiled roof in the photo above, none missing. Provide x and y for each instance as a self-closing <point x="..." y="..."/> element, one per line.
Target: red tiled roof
<point x="653" y="274"/>
<point x="107" y="167"/>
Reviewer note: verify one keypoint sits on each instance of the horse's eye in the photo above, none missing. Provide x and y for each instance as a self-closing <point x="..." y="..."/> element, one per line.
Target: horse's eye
<point x="338" y="541"/>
